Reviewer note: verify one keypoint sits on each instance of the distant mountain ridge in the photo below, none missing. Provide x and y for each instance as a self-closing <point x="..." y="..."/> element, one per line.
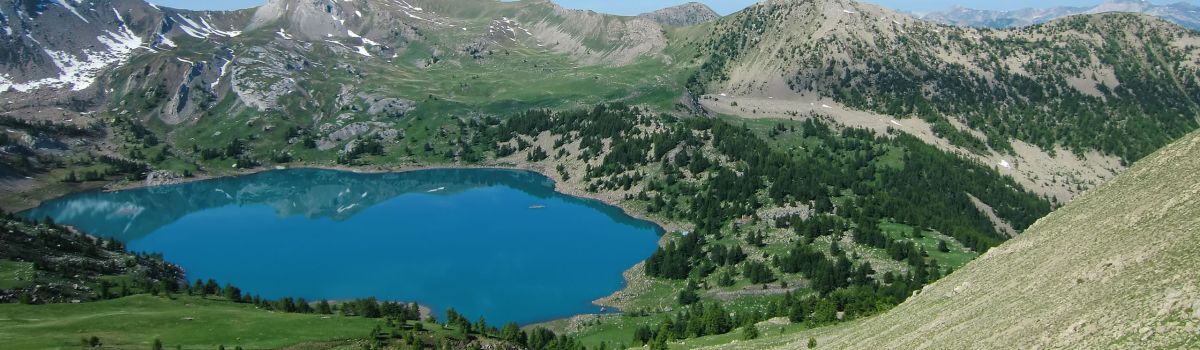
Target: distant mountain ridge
<point x="1181" y="13"/>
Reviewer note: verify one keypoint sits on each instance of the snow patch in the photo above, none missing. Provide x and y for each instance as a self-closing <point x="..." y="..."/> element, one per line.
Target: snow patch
<point x="166" y="41"/>
<point x="345" y="208"/>
<point x="362" y="50"/>
<point x="203" y="30"/>
<point x="4" y="83"/>
<point x="80" y="72"/>
<point x="221" y="75"/>
<point x="1005" y="164"/>
<point x="4" y="20"/>
<point x="71" y="8"/>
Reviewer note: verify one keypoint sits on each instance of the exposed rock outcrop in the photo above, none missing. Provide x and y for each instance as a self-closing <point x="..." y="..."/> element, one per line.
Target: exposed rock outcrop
<point x="688" y="14"/>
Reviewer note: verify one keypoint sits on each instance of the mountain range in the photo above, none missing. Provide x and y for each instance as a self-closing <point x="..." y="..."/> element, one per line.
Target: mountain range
<point x="1060" y="107"/>
<point x="1182" y="13"/>
<point x="825" y="137"/>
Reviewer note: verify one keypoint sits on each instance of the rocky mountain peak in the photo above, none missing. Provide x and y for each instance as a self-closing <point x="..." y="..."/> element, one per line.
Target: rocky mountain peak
<point x="688" y="14"/>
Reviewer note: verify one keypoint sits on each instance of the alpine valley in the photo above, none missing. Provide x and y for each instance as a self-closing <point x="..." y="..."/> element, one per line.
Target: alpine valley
<point x="821" y="173"/>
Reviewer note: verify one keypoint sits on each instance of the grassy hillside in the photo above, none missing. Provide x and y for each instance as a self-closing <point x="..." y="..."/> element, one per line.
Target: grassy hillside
<point x="190" y="322"/>
<point x="1116" y="268"/>
<point x="48" y="263"/>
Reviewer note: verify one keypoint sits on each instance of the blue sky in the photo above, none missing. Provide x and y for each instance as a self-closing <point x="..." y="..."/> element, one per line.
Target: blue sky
<point x="722" y="6"/>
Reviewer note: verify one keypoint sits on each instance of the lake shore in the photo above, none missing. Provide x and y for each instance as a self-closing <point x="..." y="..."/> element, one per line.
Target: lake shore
<point x="636" y="283"/>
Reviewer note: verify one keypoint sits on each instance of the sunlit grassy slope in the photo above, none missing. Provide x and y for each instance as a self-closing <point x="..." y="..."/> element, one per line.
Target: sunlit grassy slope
<point x="193" y="323"/>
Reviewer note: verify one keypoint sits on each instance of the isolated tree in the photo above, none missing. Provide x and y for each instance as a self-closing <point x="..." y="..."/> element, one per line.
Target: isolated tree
<point x="481" y="325"/>
<point x="750" y="332"/>
<point x="324" y="308"/>
<point x="302" y="306"/>
<point x="512" y="333"/>
<point x="232" y="293"/>
<point x="643" y="335"/>
<point x="688" y="295"/>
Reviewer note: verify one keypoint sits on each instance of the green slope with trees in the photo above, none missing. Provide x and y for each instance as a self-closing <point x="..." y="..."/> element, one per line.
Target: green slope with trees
<point x="1115" y="268"/>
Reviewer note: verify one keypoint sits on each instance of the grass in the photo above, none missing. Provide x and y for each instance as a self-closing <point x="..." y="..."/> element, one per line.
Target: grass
<point x="615" y="330"/>
<point x="189" y="322"/>
<point x="661" y="294"/>
<point x="928" y="240"/>
<point x="14" y="274"/>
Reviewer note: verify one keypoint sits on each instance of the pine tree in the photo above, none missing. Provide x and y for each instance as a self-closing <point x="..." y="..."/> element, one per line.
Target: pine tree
<point x="688" y="295"/>
<point x="643" y="335"/>
<point x="750" y="332"/>
<point x="512" y="333"/>
<point x="324" y="308"/>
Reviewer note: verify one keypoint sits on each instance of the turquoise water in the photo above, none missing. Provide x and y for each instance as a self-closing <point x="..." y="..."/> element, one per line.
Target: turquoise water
<point x="472" y="239"/>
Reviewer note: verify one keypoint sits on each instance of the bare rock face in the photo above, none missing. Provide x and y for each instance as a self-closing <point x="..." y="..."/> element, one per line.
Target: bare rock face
<point x="264" y="76"/>
<point x="688" y="14"/>
<point x="353" y="131"/>
<point x="370" y="24"/>
<point x="350" y="131"/>
<point x="162" y="177"/>
<point x="388" y="107"/>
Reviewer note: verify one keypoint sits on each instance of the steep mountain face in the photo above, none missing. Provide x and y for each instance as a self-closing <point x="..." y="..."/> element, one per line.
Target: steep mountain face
<point x="1015" y="98"/>
<point x="58" y="55"/>
<point x="67" y="44"/>
<point x="688" y="14"/>
<point x="52" y="44"/>
<point x="1113" y="269"/>
<point x="1181" y="13"/>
